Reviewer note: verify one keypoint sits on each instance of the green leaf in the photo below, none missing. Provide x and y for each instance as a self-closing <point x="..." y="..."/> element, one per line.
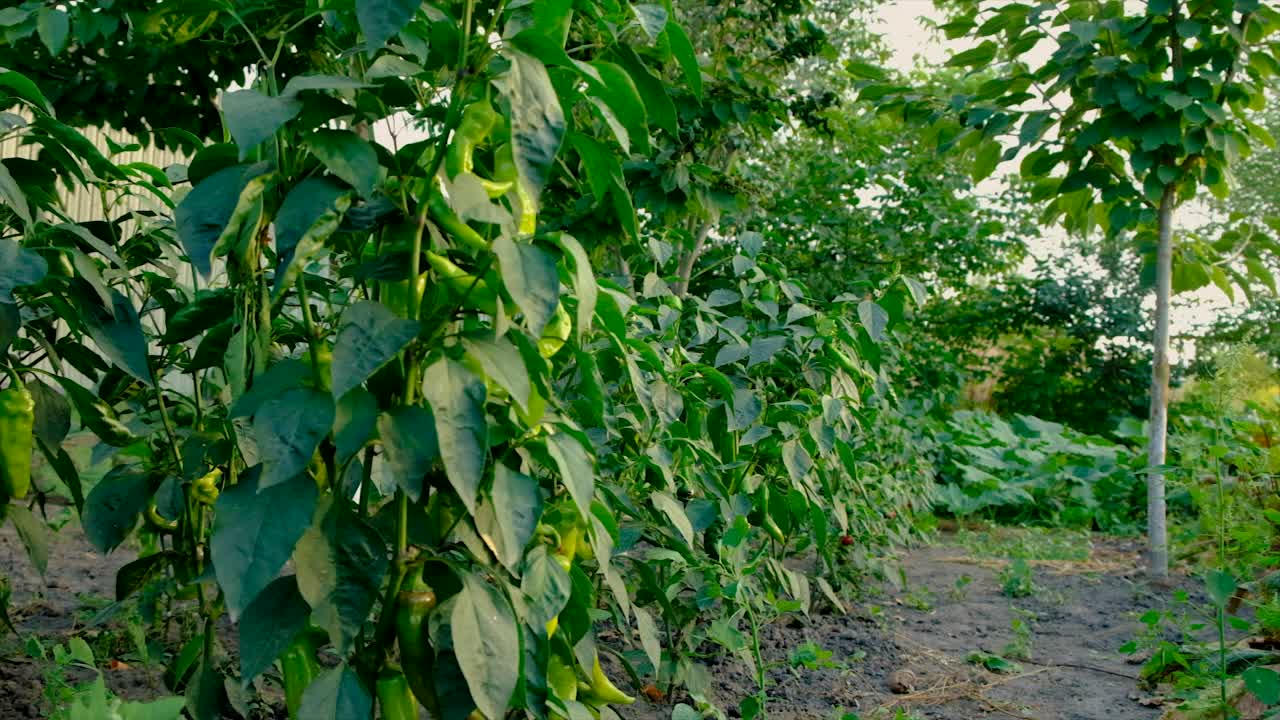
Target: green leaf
<point x="980" y="55"/>
<point x="797" y="461"/>
<point x="409" y="439"/>
<point x="341" y="562"/>
<point x="584" y="282"/>
<point x="506" y="520"/>
<point x="337" y="694"/>
<point x="304" y="83"/>
<point x="368" y="338"/>
<point x="135" y="575"/>
<point x="19" y="267"/>
<point x="1221" y="586"/>
<point x="21" y="86"/>
<point x="380" y="20"/>
<point x="309" y="215"/>
<point x="457" y="400"/>
<point x="873" y="318"/>
<point x="117" y="332"/>
<point x="114" y="505"/>
<point x="34" y="533"/>
<point x="207" y="309"/>
<point x="675" y="513"/>
<point x="577" y="472"/>
<point x="348" y="156"/>
<point x="12" y="195"/>
<point x="545" y="585"/>
<point x="252" y="118"/>
<point x="1263" y="682"/>
<point x="652" y="19"/>
<point x="53" y="26"/>
<point x="537" y="120"/>
<point x="288" y="430"/>
<point x="166" y="708"/>
<point x="205" y="213"/>
<point x="529" y="274"/>
<point x="486" y="640"/>
<point x="254" y="532"/>
<point x="682" y="49"/>
<point x="623" y="109"/>
<point x="269" y="625"/>
<point x="987" y="159"/>
<point x="354" y="422"/>
<point x="53" y="413"/>
<point x="503" y="363"/>
<point x="653" y="92"/>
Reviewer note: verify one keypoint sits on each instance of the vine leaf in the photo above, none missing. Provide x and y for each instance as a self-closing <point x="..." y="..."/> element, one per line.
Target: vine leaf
<point x="529" y="274"/>
<point x="537" y="120"/>
<point x="409" y="438"/>
<point x="252" y="118"/>
<point x="506" y="520"/>
<point x="341" y="562"/>
<point x="113" y="506"/>
<point x="576" y="469"/>
<point x="380" y="20"/>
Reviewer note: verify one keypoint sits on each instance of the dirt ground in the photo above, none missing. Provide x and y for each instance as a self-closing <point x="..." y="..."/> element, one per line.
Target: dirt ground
<point x="1078" y="616"/>
<point x="914" y="638"/>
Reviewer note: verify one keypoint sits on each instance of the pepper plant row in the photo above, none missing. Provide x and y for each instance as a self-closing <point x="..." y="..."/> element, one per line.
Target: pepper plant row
<point x="375" y="403"/>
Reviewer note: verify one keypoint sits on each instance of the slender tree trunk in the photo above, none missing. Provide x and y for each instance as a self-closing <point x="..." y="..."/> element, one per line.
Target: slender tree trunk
<point x="1157" y="532"/>
<point x="685" y="270"/>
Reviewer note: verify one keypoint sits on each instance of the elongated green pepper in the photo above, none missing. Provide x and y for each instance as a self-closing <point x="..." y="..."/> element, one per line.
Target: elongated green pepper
<point x="395" y="699"/>
<point x="17" y="426"/>
<point x="299" y="666"/>
<point x="478" y="120"/>
<point x="415" y="602"/>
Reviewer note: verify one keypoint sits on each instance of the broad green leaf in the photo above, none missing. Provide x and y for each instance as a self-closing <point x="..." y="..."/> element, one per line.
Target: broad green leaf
<point x="34" y="533"/>
<point x="657" y="103"/>
<point x="577" y="472"/>
<point x="337" y="694"/>
<point x="53" y="26"/>
<point x="368" y="338"/>
<point x="649" y="636"/>
<point x="529" y="274"/>
<point x="537" y="120"/>
<point x="986" y="160"/>
<point x="675" y="513"/>
<point x="380" y="20"/>
<point x="354" y="422"/>
<point x="348" y="156"/>
<point x="207" y="309"/>
<point x="252" y="118"/>
<point x="486" y="640"/>
<point x="507" y="518"/>
<point x="873" y="318"/>
<point x="797" y="461"/>
<point x="113" y="506"/>
<point x="19" y="267"/>
<point x="13" y="196"/>
<point x="288" y="429"/>
<point x="204" y="214"/>
<point x="21" y="86"/>
<point x="763" y="348"/>
<point x="409" y="439"/>
<point x="254" y="533"/>
<point x="53" y="413"/>
<point x="503" y="363"/>
<point x="303" y="83"/>
<point x="1264" y="683"/>
<point x="652" y="19"/>
<point x="166" y="708"/>
<point x="974" y="57"/>
<point x="135" y="575"/>
<point x="457" y="400"/>
<point x="117" y="332"/>
<point x="269" y="625"/>
<point x="281" y="377"/>
<point x="545" y="586"/>
<point x="678" y="40"/>
<point x="1221" y="586"/>
<point x="584" y="282"/>
<point x="341" y="562"/>
<point x="613" y="86"/>
<point x="309" y="215"/>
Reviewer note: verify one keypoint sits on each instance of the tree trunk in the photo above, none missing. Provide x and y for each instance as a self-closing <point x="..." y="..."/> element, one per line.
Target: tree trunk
<point x="685" y="270"/>
<point x="1157" y="532"/>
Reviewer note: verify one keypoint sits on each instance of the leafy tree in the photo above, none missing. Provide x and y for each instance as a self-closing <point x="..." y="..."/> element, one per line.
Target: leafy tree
<point x="1128" y="116"/>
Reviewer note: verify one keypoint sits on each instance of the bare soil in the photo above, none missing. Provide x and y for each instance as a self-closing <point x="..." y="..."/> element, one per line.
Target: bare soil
<point x="918" y="640"/>
<point x="914" y="638"/>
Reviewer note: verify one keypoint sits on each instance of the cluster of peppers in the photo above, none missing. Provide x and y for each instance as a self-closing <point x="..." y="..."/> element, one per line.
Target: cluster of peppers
<point x="17" y="438"/>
